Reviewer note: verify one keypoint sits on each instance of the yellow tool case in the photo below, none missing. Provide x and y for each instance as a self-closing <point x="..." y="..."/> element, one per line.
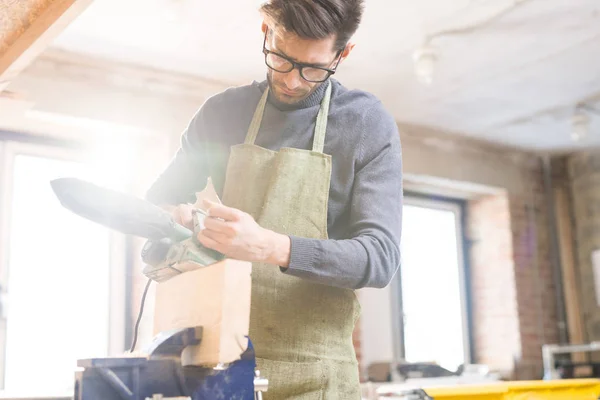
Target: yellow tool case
<point x="573" y="389"/>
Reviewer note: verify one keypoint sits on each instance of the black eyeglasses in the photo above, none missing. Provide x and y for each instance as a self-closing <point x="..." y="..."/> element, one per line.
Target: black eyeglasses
<point x="308" y="72"/>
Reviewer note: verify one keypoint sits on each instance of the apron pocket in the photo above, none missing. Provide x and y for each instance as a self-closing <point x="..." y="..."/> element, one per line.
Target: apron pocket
<point x="293" y="380"/>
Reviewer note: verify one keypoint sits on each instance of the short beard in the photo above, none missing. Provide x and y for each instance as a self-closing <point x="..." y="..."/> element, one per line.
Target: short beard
<point x="286" y="99"/>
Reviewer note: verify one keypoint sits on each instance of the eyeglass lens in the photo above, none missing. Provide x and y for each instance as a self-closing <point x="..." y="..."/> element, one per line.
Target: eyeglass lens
<point x="280" y="64"/>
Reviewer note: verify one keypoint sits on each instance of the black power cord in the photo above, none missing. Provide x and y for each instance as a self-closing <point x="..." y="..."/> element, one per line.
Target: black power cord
<point x="139" y="318"/>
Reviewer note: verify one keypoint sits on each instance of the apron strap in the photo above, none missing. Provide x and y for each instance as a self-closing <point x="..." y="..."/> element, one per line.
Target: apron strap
<point x="257" y="119"/>
<point x="320" y="126"/>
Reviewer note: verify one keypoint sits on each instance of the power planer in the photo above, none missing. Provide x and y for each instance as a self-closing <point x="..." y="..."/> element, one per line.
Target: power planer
<point x="159" y="372"/>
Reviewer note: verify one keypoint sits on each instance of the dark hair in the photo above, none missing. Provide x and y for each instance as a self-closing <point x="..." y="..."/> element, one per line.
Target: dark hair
<point x="317" y="19"/>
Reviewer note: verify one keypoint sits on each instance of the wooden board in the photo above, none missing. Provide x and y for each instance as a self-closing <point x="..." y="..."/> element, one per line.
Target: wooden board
<point x="27" y="27"/>
<point x="217" y="298"/>
<point x="569" y="272"/>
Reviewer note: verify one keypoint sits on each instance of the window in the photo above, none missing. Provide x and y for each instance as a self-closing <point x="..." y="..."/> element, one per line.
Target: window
<point x="63" y="282"/>
<point x="422" y="316"/>
<point x="431" y="293"/>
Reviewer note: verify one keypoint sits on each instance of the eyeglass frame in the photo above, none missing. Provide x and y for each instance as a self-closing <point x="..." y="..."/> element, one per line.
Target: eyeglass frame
<point x="299" y="65"/>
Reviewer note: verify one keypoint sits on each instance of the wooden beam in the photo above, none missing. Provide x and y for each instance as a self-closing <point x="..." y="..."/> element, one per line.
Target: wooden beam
<point x="27" y="27"/>
<point x="569" y="272"/>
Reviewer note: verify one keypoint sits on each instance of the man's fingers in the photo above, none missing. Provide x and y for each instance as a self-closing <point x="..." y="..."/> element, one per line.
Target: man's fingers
<point x="209" y="242"/>
<point x="183" y="215"/>
<point x="218" y="225"/>
<point x="220" y="211"/>
<point x="217" y="236"/>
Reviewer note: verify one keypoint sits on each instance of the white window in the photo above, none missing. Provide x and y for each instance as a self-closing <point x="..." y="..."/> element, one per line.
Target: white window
<point x="433" y="307"/>
<point x="422" y="316"/>
<point x="62" y="277"/>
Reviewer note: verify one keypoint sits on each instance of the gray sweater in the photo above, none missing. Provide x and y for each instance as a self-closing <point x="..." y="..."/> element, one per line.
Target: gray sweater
<point x="365" y="198"/>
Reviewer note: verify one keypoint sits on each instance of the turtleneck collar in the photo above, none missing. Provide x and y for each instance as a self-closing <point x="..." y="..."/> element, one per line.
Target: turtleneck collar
<point x="314" y="99"/>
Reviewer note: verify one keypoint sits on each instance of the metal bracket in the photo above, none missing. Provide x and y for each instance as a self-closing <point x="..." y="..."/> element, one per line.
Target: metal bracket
<point x="172" y="343"/>
<point x="550" y="350"/>
<point x="260" y="385"/>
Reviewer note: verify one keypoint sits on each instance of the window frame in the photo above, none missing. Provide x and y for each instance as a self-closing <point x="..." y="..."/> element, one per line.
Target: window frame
<point x="459" y="208"/>
<point x="119" y="297"/>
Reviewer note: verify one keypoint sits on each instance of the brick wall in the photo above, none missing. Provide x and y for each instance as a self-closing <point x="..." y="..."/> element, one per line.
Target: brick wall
<point x="495" y="311"/>
<point x="534" y="281"/>
<point x="514" y="306"/>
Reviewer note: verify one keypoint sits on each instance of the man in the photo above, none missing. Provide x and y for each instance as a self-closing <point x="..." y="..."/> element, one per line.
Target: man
<point x="310" y="177"/>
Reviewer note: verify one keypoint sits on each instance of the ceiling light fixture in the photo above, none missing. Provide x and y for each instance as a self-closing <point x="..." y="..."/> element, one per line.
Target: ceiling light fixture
<point x="580" y="126"/>
<point x="581" y="121"/>
<point x="425" y="60"/>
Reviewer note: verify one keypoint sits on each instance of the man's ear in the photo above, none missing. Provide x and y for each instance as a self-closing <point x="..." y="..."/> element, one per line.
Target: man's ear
<point x="264" y="27"/>
<point x="347" y="50"/>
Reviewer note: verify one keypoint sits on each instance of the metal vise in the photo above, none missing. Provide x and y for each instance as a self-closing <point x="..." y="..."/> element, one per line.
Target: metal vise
<point x="161" y="376"/>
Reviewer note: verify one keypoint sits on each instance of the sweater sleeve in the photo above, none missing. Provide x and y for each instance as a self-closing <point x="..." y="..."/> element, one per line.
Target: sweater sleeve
<point x="188" y="169"/>
<point x="371" y="255"/>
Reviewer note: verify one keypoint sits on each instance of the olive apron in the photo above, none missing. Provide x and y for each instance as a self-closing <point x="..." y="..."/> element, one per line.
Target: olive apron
<point x="301" y="331"/>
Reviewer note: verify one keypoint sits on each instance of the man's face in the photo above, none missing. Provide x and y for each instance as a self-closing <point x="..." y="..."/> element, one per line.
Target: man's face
<point x="290" y="87"/>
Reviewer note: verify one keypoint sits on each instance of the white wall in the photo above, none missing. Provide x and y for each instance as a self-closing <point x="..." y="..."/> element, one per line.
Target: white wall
<point x="378" y="324"/>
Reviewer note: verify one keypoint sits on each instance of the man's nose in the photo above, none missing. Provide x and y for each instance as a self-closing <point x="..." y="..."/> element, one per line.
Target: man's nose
<point x="293" y="79"/>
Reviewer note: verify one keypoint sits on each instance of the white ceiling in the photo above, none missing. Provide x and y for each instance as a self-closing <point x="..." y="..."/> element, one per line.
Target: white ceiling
<point x="514" y="80"/>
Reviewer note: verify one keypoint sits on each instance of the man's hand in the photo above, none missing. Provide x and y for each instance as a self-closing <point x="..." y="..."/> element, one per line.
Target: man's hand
<point x="237" y="235"/>
<point x="182" y="214"/>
